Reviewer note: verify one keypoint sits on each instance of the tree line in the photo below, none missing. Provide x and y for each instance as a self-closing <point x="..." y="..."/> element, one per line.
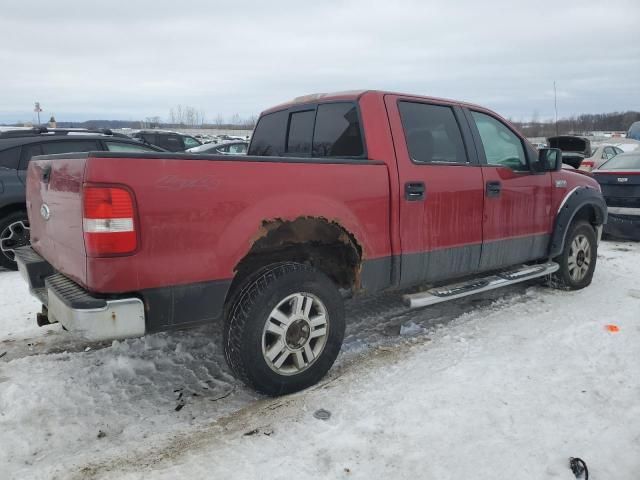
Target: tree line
<point x="580" y="124"/>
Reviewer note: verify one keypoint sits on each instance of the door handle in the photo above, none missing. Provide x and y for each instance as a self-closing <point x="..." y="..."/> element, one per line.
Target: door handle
<point x="493" y="189"/>
<point x="414" y="191"/>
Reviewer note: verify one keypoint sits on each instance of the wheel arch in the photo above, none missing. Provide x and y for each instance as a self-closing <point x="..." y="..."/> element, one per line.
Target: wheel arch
<point x="582" y="203"/>
<point x="313" y="240"/>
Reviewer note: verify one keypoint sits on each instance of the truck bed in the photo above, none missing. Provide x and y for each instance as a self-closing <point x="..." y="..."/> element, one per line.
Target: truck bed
<point x="197" y="215"/>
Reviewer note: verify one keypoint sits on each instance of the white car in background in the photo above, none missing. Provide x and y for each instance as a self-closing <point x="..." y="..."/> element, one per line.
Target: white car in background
<point x="599" y="155"/>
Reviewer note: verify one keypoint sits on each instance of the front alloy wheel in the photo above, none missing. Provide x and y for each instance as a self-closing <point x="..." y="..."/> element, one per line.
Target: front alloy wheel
<point x="578" y="258"/>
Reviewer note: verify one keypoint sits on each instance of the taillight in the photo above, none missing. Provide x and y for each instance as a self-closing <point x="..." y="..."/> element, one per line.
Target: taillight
<point x="108" y="223"/>
<point x="588" y="164"/>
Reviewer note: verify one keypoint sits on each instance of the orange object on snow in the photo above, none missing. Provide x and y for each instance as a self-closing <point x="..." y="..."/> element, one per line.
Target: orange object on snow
<point x="612" y="328"/>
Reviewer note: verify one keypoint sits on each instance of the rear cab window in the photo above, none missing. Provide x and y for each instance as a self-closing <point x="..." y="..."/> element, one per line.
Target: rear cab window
<point x="318" y="131"/>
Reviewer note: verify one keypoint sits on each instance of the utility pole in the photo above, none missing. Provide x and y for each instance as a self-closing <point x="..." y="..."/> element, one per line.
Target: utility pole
<point x="37" y="109"/>
<point x="555" y="103"/>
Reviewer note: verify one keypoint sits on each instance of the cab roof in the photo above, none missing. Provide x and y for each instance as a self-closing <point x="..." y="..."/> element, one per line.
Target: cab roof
<point x="354" y="95"/>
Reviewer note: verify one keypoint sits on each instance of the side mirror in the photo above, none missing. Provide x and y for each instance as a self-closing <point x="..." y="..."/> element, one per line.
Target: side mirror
<point x="549" y="160"/>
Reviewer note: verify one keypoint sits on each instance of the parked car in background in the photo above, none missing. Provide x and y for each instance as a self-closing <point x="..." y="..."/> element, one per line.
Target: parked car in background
<point x="619" y="179"/>
<point x="634" y="131"/>
<point x="346" y="193"/>
<point x="170" y="141"/>
<point x="226" y="148"/>
<point x="574" y="149"/>
<point x="599" y="155"/>
<point x="16" y="149"/>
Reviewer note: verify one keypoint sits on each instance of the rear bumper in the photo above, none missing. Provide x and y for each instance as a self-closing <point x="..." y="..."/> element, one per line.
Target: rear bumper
<point x="623" y="225"/>
<point x="90" y="316"/>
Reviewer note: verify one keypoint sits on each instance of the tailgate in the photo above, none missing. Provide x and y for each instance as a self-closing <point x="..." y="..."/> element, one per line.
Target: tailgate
<point x="54" y="204"/>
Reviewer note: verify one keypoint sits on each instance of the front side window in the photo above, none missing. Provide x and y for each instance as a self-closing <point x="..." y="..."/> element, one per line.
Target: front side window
<point x="337" y="131"/>
<point x="127" y="147"/>
<point x="268" y="137"/>
<point x="300" y="132"/>
<point x="501" y="146"/>
<point x="9" y="158"/>
<point x="432" y="133"/>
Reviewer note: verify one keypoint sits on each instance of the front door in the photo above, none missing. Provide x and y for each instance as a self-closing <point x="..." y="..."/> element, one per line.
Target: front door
<point x="517" y="204"/>
<point x="441" y="190"/>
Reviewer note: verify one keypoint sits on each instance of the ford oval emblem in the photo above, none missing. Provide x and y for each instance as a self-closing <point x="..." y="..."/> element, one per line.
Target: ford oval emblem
<point x="45" y="212"/>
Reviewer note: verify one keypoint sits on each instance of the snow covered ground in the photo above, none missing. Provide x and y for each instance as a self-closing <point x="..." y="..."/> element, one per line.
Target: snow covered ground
<point x="504" y="385"/>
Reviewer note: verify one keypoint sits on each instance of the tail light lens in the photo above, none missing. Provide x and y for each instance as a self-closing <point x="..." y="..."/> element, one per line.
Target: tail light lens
<point x="108" y="223"/>
<point x="587" y="163"/>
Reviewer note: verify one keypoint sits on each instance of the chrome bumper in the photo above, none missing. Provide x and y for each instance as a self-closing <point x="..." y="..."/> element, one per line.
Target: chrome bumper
<point x="92" y="317"/>
<point x="121" y="318"/>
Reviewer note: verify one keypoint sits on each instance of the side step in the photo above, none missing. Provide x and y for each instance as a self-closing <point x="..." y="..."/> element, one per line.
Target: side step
<point x="477" y="285"/>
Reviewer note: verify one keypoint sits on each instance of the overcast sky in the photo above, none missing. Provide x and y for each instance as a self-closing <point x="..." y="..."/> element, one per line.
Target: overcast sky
<point x="129" y="60"/>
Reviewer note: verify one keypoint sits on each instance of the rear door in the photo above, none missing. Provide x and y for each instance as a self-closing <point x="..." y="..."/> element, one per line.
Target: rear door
<point x="441" y="190"/>
<point x="517" y="202"/>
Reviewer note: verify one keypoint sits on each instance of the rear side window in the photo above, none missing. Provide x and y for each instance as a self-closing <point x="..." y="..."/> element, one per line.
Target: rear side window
<point x="238" y="148"/>
<point x="432" y="133"/>
<point x="268" y="138"/>
<point x="53" y="148"/>
<point x="300" y="132"/>
<point x="337" y="131"/>
<point x="173" y="143"/>
<point x="190" y="142"/>
<point x="29" y="151"/>
<point x="10" y="158"/>
<point x="126" y="147"/>
<point x="147" y="137"/>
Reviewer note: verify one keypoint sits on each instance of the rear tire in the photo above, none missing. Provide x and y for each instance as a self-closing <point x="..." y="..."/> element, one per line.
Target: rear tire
<point x="578" y="258"/>
<point x="285" y="329"/>
<point x="14" y="233"/>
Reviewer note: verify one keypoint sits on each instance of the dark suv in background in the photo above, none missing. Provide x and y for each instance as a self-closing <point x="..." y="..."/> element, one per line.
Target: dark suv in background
<point x="171" y="141"/>
<point x="16" y="149"/>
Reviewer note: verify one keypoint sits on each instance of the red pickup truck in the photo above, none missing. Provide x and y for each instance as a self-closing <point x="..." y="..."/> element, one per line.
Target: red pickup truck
<point x="340" y="194"/>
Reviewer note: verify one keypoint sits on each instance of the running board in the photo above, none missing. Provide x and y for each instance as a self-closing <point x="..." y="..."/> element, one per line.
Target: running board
<point x="477" y="285"/>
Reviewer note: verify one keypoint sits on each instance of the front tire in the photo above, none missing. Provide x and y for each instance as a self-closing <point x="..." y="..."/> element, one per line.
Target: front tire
<point x="578" y="258"/>
<point x="14" y="233"/>
<point x="285" y="329"/>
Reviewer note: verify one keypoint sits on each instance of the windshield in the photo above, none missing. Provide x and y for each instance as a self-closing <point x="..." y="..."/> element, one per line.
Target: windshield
<point x="622" y="162"/>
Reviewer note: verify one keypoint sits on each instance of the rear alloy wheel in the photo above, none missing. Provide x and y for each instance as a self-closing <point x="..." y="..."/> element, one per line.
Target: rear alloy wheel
<point x="578" y="259"/>
<point x="295" y="334"/>
<point x="14" y="233"/>
<point x="284" y="329"/>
